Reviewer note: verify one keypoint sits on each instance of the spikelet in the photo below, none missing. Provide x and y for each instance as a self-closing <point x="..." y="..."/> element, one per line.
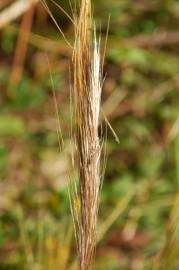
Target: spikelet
<point x="87" y="86"/>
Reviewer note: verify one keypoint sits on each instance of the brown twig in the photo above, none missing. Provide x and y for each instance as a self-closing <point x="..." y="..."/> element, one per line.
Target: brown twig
<point x="42" y="16"/>
<point x="21" y="46"/>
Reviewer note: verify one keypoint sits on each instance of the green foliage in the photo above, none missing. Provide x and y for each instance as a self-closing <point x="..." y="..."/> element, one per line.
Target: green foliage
<point x="3" y="159"/>
<point x="11" y="125"/>
<point x="26" y="94"/>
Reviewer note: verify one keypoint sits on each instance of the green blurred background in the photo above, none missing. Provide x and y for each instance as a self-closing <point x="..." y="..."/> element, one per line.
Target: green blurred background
<point x="138" y="218"/>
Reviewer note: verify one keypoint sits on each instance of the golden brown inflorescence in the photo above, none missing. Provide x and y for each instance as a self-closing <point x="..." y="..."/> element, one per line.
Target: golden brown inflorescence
<point x="87" y="96"/>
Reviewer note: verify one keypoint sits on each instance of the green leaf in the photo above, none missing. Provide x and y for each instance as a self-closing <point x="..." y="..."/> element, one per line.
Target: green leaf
<point x="11" y="126"/>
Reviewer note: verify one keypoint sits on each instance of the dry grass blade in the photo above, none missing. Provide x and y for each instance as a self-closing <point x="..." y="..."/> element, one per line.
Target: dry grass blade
<point x="168" y="256"/>
<point x="87" y="97"/>
<point x="44" y="3"/>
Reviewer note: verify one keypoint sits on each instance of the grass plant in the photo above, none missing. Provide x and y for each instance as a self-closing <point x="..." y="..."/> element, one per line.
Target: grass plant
<point x="86" y="94"/>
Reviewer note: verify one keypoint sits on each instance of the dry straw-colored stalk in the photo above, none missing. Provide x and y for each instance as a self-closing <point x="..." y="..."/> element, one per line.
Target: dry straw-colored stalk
<point x="87" y="86"/>
<point x="86" y="96"/>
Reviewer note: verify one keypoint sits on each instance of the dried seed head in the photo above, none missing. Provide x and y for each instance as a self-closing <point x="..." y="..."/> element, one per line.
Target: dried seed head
<point x="87" y="97"/>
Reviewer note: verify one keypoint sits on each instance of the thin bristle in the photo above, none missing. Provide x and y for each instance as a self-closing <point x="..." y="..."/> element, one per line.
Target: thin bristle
<point x="87" y="97"/>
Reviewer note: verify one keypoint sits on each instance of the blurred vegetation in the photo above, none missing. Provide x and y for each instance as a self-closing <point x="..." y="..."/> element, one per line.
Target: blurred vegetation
<point x="138" y="222"/>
